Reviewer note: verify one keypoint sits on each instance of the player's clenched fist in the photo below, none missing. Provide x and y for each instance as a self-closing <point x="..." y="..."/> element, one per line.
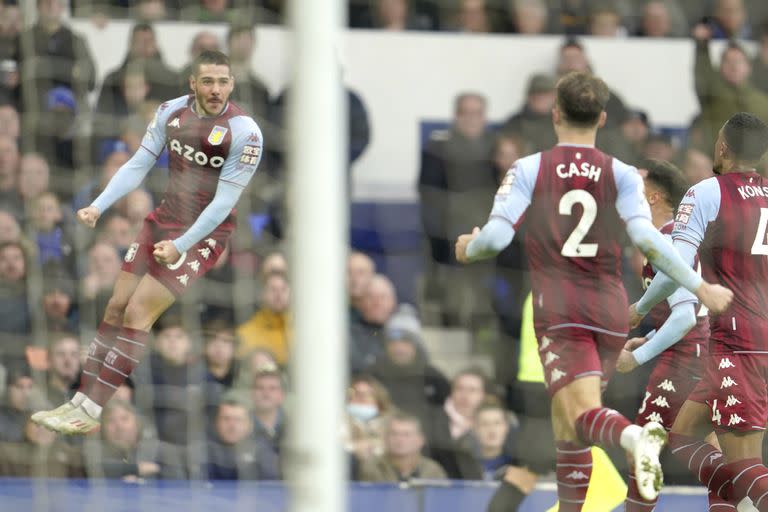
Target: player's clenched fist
<point x="717" y="298"/>
<point x="166" y="253"/>
<point x="88" y="216"/>
<point x="634" y="317"/>
<point x="461" y="245"/>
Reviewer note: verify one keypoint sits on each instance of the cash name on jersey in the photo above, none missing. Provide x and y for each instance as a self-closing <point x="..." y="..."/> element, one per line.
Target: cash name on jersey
<point x="586" y="170"/>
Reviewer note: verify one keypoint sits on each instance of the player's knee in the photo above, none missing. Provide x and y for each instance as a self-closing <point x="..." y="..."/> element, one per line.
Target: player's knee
<point x="115" y="311"/>
<point x="137" y="316"/>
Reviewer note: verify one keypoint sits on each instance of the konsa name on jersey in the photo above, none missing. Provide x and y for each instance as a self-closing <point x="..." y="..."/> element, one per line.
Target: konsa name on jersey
<point x="193" y="155"/>
<point x="749" y="191"/>
<point x="586" y="170"/>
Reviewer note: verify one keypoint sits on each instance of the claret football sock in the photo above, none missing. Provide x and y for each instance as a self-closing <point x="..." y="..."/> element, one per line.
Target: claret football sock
<point x="118" y="364"/>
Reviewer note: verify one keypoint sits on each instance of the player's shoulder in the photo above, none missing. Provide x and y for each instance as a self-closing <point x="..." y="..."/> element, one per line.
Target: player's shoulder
<point x="622" y="169"/>
<point x="705" y="190"/>
<point x="528" y="164"/>
<point x="173" y="105"/>
<point x="246" y="128"/>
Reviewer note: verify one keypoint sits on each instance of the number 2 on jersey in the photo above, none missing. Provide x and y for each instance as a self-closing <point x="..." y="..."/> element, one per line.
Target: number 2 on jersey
<point x="573" y="248"/>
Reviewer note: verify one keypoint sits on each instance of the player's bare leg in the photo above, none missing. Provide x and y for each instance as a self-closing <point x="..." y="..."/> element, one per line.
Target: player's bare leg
<point x="103" y="341"/>
<point x="147" y="303"/>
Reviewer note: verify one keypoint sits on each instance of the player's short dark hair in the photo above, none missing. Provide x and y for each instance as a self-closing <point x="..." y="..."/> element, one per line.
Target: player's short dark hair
<point x="582" y="97"/>
<point x="209" y="57"/>
<point x="746" y="136"/>
<point x="667" y="177"/>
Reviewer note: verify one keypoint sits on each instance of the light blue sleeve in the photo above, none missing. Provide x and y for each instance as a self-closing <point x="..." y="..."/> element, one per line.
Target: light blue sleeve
<point x="699" y="207"/>
<point x="630" y="198"/>
<point x="512" y="199"/>
<point x="133" y="172"/>
<point x="662" y="285"/>
<point x="516" y="190"/>
<point x="680" y="321"/>
<point x="240" y="165"/>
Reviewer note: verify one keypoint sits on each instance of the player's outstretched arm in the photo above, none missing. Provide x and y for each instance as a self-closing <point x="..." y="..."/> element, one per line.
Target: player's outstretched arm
<point x="484" y="243"/>
<point x="127" y="179"/>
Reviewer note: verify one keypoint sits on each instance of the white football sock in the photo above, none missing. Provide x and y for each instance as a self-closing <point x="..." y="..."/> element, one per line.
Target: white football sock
<point x="92" y="408"/>
<point x="78" y="399"/>
<point x="629" y="437"/>
<point x="746" y="505"/>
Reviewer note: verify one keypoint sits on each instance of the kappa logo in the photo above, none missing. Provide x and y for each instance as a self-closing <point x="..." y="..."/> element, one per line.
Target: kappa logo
<point x="557" y="375"/>
<point x="690" y="193"/>
<point x="731" y="401"/>
<point x="216" y="136"/>
<point x="667" y="386"/>
<point x="183" y="279"/>
<point x="735" y="419"/>
<point x="545" y="343"/>
<point x="131" y="254"/>
<point x="714" y="457"/>
<point x="175" y="123"/>
<point x="655" y="416"/>
<point x="661" y="401"/>
<point x="550" y="357"/>
<point x="205" y="253"/>
<point x="728" y="382"/>
<point x="577" y="475"/>
<point x="211" y="242"/>
<point x="725" y="363"/>
<point x="194" y="265"/>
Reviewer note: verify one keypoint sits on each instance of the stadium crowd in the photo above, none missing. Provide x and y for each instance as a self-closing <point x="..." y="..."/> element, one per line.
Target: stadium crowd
<point x="209" y="402"/>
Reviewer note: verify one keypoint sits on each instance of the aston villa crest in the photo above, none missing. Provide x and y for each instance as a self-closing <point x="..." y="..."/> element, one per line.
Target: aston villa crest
<point x="217" y="135"/>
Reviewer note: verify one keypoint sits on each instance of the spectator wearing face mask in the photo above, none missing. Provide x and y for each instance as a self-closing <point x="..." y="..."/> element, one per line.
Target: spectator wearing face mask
<point x="368" y="407"/>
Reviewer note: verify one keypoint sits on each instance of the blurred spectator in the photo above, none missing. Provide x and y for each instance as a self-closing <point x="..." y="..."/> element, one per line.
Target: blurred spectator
<point x="110" y="165"/>
<point x="250" y="92"/>
<point x="9" y="122"/>
<point x="760" y="62"/>
<point x="117" y="231"/>
<point x="18" y="403"/>
<point x="15" y="315"/>
<point x="400" y="15"/>
<point x="151" y="10"/>
<point x="53" y="236"/>
<point x="509" y="147"/>
<point x="34" y="176"/>
<point x="121" y="101"/>
<point x="456" y="181"/>
<point x="234" y="454"/>
<point x="573" y="57"/>
<point x="605" y="21"/>
<point x="255" y="361"/>
<point x="534" y="121"/>
<point x="41" y="454"/>
<point x="10" y="230"/>
<point x="488" y="440"/>
<point x="529" y="17"/>
<point x="56" y="135"/>
<point x="635" y="130"/>
<point x="662" y="18"/>
<point x="9" y="176"/>
<point x="659" y="146"/>
<point x="359" y="126"/>
<point x="402" y="460"/>
<point x="10" y="26"/>
<point x="219" y="348"/>
<point x="448" y="426"/>
<point x="268" y="327"/>
<point x="123" y="454"/>
<point x="57" y="57"/>
<point x="697" y="166"/>
<point x="725" y="91"/>
<point x="377" y="304"/>
<point x="360" y="269"/>
<point x="96" y="286"/>
<point x="271" y="12"/>
<point x="730" y="20"/>
<point x="64" y="367"/>
<point x="59" y="301"/>
<point x="368" y="407"/>
<point x="573" y="16"/>
<point x="135" y="206"/>
<point x="268" y="398"/>
<point x="170" y="389"/>
<point x="144" y="55"/>
<point x="202" y="41"/>
<point x="473" y="17"/>
<point x="220" y="11"/>
<point x="274" y="263"/>
<point x="414" y="385"/>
